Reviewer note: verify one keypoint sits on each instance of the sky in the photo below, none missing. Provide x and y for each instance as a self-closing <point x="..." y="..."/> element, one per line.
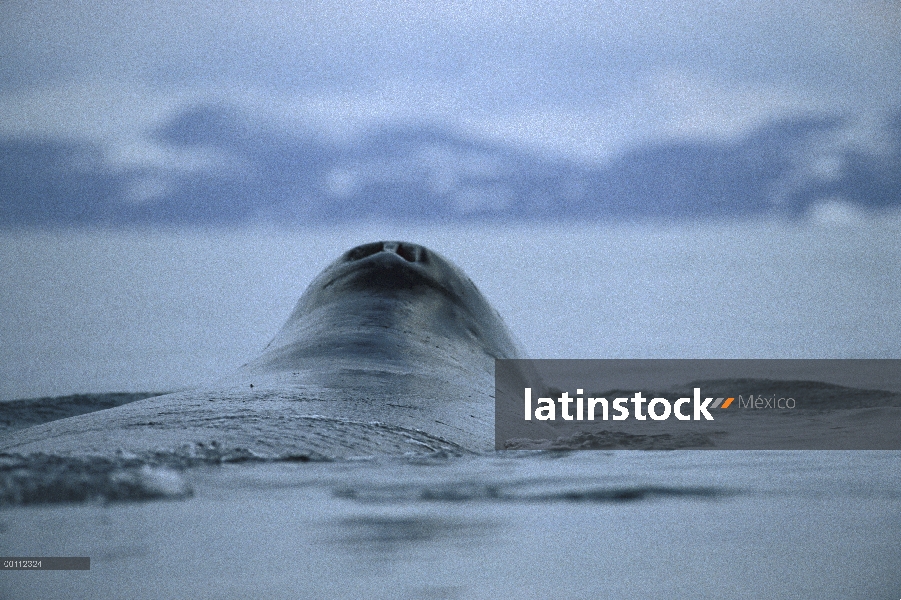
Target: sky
<point x="583" y="80"/>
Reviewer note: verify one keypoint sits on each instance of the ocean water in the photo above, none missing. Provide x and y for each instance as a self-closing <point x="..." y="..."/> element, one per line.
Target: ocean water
<point x="90" y="311"/>
<point x="102" y="310"/>
<point x="587" y="524"/>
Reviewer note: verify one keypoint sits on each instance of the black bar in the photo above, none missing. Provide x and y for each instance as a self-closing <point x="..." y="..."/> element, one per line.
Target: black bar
<point x="45" y="563"/>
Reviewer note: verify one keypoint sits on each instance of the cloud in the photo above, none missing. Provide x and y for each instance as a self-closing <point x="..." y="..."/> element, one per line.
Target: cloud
<point x="330" y="43"/>
<point x="563" y="80"/>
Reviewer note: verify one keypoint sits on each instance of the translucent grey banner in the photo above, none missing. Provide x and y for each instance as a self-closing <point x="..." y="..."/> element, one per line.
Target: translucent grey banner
<point x="45" y="563"/>
<point x="828" y="404"/>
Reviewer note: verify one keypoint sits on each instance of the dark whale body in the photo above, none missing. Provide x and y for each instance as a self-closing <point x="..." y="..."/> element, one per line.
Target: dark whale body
<point x="390" y="350"/>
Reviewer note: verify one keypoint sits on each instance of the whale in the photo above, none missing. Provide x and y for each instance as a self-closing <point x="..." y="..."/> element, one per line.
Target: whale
<point x="390" y="350"/>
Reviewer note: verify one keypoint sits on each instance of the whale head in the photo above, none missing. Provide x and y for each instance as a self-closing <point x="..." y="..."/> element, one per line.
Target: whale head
<point x="390" y="350"/>
<point x="389" y="303"/>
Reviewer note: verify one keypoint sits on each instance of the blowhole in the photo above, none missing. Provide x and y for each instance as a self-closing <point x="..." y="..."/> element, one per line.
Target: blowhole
<point x="363" y="251"/>
<point x="407" y="252"/>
